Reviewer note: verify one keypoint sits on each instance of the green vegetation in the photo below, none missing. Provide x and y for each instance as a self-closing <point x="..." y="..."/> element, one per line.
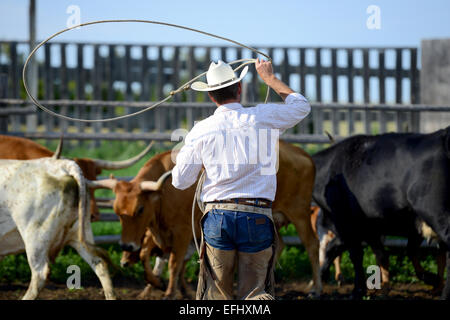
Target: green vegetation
<point x="293" y="263"/>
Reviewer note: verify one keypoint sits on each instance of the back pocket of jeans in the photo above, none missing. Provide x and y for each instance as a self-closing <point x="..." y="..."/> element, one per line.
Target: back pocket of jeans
<point x="260" y="228"/>
<point x="212" y="225"/>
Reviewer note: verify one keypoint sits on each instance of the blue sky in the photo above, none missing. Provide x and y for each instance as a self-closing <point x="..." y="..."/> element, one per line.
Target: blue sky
<point x="282" y="22"/>
<point x="295" y="23"/>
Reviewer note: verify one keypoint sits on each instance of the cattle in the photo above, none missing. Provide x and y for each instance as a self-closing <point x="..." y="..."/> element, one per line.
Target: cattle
<point x="389" y="184"/>
<point x="331" y="246"/>
<point x="325" y="235"/>
<point x="24" y="149"/>
<point x="166" y="211"/>
<point x="43" y="207"/>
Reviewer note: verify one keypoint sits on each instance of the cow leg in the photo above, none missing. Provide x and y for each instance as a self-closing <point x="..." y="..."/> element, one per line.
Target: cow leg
<point x="99" y="266"/>
<point x="382" y="259"/>
<point x="175" y="264"/>
<point x="39" y="272"/>
<point x="356" y="255"/>
<point x="311" y="243"/>
<point x="338" y="276"/>
<point x="183" y="285"/>
<point x="158" y="268"/>
<point x="150" y="277"/>
<point x="412" y="249"/>
<point x="333" y="250"/>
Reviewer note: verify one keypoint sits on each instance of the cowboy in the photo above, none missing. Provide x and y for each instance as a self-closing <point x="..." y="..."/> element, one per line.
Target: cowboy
<point x="239" y="188"/>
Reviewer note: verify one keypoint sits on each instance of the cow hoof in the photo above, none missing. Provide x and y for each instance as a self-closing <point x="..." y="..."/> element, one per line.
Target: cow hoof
<point x="176" y="295"/>
<point x="150" y="293"/>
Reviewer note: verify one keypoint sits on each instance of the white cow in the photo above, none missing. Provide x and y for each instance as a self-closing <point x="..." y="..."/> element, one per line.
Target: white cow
<point x="42" y="209"/>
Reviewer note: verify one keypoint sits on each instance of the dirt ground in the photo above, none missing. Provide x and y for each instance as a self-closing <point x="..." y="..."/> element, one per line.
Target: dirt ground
<point x="292" y="290"/>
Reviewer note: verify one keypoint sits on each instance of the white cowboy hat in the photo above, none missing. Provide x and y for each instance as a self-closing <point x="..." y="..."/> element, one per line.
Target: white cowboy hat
<point x="219" y="75"/>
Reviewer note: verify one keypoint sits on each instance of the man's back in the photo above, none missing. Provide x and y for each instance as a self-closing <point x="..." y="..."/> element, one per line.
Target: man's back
<point x="237" y="147"/>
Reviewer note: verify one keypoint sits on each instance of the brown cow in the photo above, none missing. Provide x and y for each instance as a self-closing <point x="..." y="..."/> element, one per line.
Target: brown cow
<point x="145" y="205"/>
<point x="25" y="149"/>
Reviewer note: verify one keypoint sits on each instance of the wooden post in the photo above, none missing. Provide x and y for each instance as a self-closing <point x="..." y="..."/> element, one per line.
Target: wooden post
<point x="110" y="76"/>
<point x="145" y="88"/>
<point x="14" y="76"/>
<point x="48" y="79"/>
<point x="367" y="113"/>
<point x="272" y="95"/>
<point x="302" y="71"/>
<point x="398" y="87"/>
<point x="63" y="87"/>
<point x="382" y="90"/>
<point x="128" y="92"/>
<point x="414" y="89"/>
<point x="206" y="62"/>
<point x="350" y="75"/>
<point x="158" y="112"/>
<point x="80" y="86"/>
<point x="173" y="119"/>
<point x="97" y="84"/>
<point x="32" y="72"/>
<point x="334" y="85"/>
<point x="318" y="114"/>
<point x="192" y="68"/>
<point x="254" y="92"/>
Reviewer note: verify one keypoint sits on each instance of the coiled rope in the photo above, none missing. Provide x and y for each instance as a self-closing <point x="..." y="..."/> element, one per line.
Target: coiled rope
<point x="184" y="87"/>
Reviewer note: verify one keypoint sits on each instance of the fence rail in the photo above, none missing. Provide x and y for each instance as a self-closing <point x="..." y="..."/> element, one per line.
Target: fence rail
<point x="341" y="119"/>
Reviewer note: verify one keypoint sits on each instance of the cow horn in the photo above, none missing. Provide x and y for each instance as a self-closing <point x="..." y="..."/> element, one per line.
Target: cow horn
<point x="115" y="165"/>
<point x="330" y="137"/>
<point x="58" y="151"/>
<point x="155" y="186"/>
<point x="102" y="184"/>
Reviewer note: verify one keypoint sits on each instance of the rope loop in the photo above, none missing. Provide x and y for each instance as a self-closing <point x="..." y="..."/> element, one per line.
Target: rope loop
<point x="184" y="87"/>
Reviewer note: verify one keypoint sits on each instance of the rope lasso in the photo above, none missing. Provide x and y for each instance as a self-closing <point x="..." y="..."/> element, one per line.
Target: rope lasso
<point x="184" y="87"/>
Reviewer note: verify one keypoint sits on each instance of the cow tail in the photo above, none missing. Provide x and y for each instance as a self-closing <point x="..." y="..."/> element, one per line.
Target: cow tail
<point x="76" y="173"/>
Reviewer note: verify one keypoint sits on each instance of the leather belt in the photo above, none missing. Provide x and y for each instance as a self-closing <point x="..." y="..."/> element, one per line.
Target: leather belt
<point x="256" y="202"/>
<point x="238" y="207"/>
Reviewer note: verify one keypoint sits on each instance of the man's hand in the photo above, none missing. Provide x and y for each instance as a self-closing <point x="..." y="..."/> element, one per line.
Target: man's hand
<point x="265" y="71"/>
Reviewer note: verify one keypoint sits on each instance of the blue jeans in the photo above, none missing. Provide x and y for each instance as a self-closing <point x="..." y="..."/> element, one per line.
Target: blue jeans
<point x="236" y="230"/>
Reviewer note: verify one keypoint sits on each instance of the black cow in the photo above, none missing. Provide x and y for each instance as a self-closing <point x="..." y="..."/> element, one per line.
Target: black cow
<point x="369" y="186"/>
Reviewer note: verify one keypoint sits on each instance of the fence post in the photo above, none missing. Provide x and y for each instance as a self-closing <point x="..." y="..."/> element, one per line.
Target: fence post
<point x="351" y="122"/>
<point x="398" y="88"/>
<point x="414" y="90"/>
<point x="3" y="91"/>
<point x="382" y="90"/>
<point x="335" y="116"/>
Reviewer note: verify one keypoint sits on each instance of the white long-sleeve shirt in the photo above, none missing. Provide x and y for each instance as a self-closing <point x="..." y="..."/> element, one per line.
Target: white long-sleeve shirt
<point x="237" y="147"/>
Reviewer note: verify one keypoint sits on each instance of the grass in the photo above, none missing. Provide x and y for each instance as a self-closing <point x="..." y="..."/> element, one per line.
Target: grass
<point x="293" y="263"/>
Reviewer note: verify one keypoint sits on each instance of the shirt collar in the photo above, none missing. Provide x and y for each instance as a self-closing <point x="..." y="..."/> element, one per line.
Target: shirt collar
<point x="228" y="107"/>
